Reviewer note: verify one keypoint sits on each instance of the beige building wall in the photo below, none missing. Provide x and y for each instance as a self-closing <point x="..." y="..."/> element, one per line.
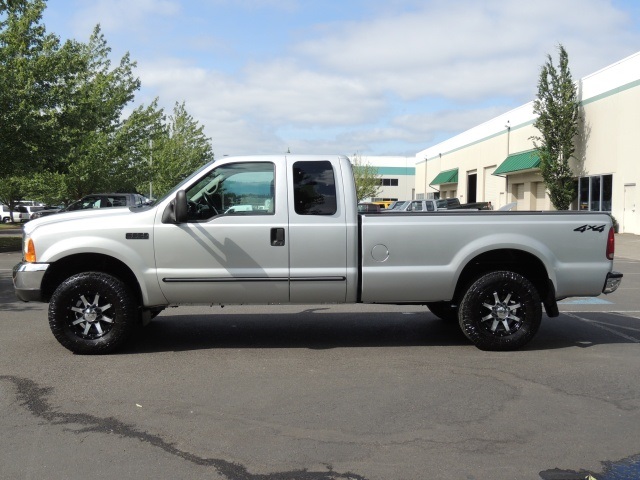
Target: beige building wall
<point x="608" y="144"/>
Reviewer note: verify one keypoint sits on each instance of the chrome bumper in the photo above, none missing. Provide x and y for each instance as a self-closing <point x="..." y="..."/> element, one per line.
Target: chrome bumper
<point x="612" y="282"/>
<point x="27" y="279"/>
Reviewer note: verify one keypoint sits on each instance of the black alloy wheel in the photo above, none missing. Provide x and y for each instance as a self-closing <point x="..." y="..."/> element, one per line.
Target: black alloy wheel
<point x="93" y="313"/>
<point x="500" y="311"/>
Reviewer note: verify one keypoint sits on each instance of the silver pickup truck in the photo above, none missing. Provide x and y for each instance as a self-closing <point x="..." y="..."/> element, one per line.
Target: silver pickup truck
<point x="285" y="229"/>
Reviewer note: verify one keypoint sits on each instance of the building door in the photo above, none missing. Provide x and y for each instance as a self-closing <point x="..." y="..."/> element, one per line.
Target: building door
<point x="540" y="197"/>
<point x="472" y="187"/>
<point x="630" y="217"/>
<point x="491" y="187"/>
<point x="518" y="191"/>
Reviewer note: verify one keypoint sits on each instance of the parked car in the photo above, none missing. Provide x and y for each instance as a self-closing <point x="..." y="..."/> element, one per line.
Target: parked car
<point x="99" y="200"/>
<point x="47" y="210"/>
<point x="108" y="200"/>
<point x="434" y="205"/>
<point x="25" y="211"/>
<point x="428" y="205"/>
<point x="6" y="214"/>
<point x="398" y="206"/>
<point x="368" y="207"/>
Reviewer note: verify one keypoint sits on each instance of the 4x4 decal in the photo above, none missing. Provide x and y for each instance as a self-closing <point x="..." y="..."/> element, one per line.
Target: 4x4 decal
<point x="587" y="228"/>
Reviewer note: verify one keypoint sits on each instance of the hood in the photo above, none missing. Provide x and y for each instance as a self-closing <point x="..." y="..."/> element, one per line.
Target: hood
<point x="88" y="218"/>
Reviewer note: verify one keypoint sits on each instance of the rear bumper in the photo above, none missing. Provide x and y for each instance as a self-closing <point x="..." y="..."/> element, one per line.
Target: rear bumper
<point x="27" y="281"/>
<point x="612" y="282"/>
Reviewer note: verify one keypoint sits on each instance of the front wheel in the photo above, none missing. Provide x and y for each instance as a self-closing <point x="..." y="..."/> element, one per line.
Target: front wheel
<point x="500" y="311"/>
<point x="92" y="313"/>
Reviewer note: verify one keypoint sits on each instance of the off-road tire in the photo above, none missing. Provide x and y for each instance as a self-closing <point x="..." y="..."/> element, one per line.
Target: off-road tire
<point x="93" y="313"/>
<point x="500" y="311"/>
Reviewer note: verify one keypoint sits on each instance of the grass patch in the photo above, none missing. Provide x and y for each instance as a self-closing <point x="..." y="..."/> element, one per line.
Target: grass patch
<point x="10" y="244"/>
<point x="7" y="226"/>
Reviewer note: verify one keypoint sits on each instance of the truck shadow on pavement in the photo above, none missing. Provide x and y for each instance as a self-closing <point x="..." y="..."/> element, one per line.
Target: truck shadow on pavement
<point x="299" y="330"/>
<point x="347" y="330"/>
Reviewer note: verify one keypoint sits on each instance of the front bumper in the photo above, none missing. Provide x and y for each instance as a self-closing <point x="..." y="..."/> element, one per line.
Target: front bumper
<point x="612" y="282"/>
<point x="27" y="281"/>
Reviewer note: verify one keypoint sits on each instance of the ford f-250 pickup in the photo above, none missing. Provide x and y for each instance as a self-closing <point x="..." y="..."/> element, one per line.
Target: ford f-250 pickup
<point x="285" y="229"/>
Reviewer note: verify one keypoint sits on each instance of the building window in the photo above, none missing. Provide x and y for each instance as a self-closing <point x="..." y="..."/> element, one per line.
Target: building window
<point x="389" y="182"/>
<point x="594" y="193"/>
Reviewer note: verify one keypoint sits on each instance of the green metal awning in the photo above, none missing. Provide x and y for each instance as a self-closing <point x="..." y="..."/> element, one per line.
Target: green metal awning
<point x="517" y="162"/>
<point x="448" y="176"/>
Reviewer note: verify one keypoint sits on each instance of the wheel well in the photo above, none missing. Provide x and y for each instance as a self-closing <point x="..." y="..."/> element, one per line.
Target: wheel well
<point x="88" y="262"/>
<point x="524" y="263"/>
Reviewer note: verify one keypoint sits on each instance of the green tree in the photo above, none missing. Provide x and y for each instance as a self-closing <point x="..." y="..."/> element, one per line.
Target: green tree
<point x="366" y="178"/>
<point x="62" y="122"/>
<point x="34" y="67"/>
<point x="179" y="150"/>
<point x="11" y="192"/>
<point x="103" y="148"/>
<point x="557" y="108"/>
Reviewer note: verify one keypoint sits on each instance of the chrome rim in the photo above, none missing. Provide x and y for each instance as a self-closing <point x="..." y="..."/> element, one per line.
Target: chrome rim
<point x="503" y="318"/>
<point x="89" y="318"/>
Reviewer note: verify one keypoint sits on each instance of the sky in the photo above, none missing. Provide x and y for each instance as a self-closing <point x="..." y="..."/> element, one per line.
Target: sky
<point x="375" y="77"/>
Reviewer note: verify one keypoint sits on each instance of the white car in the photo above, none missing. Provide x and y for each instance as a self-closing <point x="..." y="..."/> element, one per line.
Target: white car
<point x="23" y="213"/>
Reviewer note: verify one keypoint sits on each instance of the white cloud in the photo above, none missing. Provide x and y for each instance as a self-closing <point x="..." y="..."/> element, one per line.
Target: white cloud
<point x="121" y="15"/>
<point x="468" y="49"/>
<point x="356" y="85"/>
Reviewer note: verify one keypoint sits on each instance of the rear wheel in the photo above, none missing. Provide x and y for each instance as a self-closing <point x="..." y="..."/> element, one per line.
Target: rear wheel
<point x="93" y="313"/>
<point x="500" y="311"/>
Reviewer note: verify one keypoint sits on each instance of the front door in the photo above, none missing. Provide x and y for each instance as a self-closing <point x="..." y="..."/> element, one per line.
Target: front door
<point x="235" y="247"/>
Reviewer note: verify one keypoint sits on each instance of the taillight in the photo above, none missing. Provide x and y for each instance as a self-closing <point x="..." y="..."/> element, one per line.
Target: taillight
<point x="611" y="244"/>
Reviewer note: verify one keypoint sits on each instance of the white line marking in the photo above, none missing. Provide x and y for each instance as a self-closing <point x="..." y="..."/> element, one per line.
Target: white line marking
<point x="610" y="330"/>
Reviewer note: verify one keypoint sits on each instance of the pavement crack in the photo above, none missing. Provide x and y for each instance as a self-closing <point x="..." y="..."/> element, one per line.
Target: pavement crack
<point x="34" y="398"/>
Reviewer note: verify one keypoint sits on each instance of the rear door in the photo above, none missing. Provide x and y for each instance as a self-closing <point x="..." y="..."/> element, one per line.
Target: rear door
<point x="317" y="231"/>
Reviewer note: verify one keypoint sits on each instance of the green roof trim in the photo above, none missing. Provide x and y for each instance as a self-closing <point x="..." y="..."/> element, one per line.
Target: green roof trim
<point x="396" y="170"/>
<point x="516" y="162"/>
<point x="448" y="176"/>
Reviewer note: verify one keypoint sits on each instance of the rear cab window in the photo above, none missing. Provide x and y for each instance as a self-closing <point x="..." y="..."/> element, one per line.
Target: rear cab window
<point x="314" y="188"/>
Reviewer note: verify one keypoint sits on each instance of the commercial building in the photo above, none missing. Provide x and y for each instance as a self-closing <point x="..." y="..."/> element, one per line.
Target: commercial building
<point x="496" y="161"/>
<point x="397" y="177"/>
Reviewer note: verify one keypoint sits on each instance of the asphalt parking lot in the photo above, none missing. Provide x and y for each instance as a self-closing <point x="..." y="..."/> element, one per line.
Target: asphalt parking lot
<point x="326" y="392"/>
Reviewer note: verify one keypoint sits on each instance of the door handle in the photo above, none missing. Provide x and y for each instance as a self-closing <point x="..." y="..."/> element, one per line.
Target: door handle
<point x="277" y="237"/>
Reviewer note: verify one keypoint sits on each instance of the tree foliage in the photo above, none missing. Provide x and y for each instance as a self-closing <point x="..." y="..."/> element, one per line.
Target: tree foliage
<point x="557" y="108"/>
<point x="179" y="150"/>
<point x="366" y="178"/>
<point x="34" y="71"/>
<point x="63" y="132"/>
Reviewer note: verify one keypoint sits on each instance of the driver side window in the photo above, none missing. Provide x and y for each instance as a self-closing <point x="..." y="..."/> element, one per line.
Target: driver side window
<point x="233" y="189"/>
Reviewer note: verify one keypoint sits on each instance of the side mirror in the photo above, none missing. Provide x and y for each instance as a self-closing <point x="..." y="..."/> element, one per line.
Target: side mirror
<point x="181" y="209"/>
<point x="177" y="211"/>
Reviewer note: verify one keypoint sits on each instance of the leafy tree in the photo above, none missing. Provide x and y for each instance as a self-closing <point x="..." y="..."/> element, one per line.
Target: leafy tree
<point x="34" y="67"/>
<point x="103" y="148"/>
<point x="61" y="117"/>
<point x="557" y="108"/>
<point x="11" y="191"/>
<point x="47" y="187"/>
<point x="179" y="150"/>
<point x="366" y="178"/>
